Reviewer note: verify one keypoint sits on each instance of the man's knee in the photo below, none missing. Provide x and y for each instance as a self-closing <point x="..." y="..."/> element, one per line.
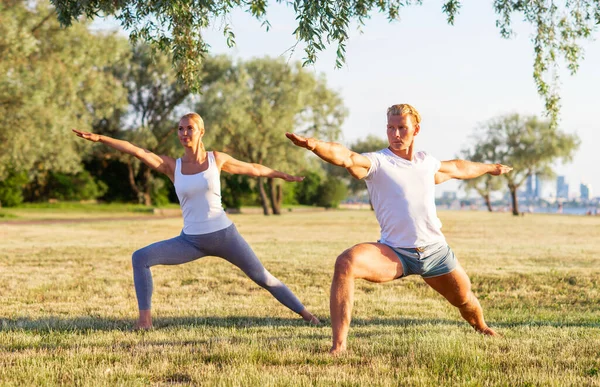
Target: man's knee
<point x="346" y="262"/>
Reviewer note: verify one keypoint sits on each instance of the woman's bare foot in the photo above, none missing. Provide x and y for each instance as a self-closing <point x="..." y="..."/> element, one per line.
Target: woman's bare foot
<point x="140" y="327"/>
<point x="144" y="322"/>
<point x="309" y="317"/>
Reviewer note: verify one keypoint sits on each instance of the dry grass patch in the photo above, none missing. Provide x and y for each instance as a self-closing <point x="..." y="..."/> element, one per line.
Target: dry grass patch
<point x="67" y="305"/>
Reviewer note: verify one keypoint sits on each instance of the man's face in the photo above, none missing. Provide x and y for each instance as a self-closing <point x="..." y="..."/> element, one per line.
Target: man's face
<point x="401" y="131"/>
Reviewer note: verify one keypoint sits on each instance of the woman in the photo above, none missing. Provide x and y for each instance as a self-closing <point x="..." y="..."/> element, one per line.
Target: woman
<point x="206" y="228"/>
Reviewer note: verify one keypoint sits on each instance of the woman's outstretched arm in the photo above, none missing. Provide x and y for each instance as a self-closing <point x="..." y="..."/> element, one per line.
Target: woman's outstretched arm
<point x="163" y="164"/>
<point x="231" y="165"/>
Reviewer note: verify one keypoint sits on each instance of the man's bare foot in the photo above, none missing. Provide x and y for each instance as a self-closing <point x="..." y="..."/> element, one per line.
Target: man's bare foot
<point x="337" y="350"/>
<point x="488" y="332"/>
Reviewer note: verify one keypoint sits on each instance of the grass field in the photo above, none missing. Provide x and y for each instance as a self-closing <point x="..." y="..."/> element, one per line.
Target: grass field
<point x="67" y="304"/>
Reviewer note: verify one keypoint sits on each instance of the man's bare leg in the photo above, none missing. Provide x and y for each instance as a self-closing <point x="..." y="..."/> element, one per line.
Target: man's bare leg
<point x="373" y="262"/>
<point x="456" y="287"/>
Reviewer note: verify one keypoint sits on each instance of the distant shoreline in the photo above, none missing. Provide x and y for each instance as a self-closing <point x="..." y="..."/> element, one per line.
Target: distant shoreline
<point x="534" y="210"/>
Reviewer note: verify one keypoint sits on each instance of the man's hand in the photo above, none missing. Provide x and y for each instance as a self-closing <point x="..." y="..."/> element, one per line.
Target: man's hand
<point x="303" y="142"/>
<point x="500" y="169"/>
<point x="87" y="135"/>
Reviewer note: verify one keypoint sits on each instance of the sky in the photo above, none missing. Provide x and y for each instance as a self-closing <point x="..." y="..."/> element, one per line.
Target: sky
<point x="456" y="76"/>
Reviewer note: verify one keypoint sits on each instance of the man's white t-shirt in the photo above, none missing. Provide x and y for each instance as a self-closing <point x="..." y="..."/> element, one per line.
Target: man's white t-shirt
<point x="403" y="195"/>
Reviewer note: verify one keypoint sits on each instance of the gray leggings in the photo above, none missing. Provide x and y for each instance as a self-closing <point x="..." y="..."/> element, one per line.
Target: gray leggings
<point x="226" y="243"/>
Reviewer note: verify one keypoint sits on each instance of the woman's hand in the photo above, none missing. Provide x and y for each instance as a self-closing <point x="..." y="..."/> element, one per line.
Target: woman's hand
<point x="87" y="135"/>
<point x="288" y="177"/>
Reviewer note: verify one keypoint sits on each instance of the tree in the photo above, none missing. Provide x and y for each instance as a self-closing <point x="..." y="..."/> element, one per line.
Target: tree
<point x="153" y="94"/>
<point x="486" y="184"/>
<point x="527" y="144"/>
<point x="155" y="101"/>
<point x="248" y="110"/>
<point x="51" y="80"/>
<point x="175" y="27"/>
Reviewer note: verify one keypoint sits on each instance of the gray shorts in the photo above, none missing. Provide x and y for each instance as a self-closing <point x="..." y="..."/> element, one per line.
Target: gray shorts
<point x="428" y="261"/>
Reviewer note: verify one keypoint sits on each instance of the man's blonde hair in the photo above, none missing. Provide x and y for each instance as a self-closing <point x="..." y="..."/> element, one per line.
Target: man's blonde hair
<point x="195" y="117"/>
<point x="404" y="109"/>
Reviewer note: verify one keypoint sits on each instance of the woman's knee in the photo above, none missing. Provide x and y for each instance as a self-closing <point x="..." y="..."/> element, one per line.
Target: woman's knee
<point x="139" y="258"/>
<point x="265" y="280"/>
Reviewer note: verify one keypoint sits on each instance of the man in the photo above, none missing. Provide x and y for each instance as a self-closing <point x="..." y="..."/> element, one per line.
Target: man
<point x="401" y="184"/>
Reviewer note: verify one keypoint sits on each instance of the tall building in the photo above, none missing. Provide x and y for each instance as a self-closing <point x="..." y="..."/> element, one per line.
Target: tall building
<point x="562" y="188"/>
<point x="586" y="191"/>
<point x="537" y="193"/>
<point x="533" y="188"/>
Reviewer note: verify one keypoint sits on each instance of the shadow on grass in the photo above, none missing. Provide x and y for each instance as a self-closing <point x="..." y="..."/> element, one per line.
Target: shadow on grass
<point x="90" y="324"/>
<point x="85" y="324"/>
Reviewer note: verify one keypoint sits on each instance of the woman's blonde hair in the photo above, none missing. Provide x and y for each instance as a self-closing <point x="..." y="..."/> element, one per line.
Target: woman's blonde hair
<point x="403" y="109"/>
<point x="195" y="117"/>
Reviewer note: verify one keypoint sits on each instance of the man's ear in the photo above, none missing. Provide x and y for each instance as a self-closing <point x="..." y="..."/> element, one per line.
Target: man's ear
<point x="417" y="129"/>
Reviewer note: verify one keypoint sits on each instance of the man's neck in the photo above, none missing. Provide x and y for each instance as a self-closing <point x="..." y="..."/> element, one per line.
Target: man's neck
<point x="406" y="154"/>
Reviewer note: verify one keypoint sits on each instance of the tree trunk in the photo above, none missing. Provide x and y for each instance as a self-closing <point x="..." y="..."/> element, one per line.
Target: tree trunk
<point x="143" y="194"/>
<point x="275" y="194"/>
<point x="147" y="183"/>
<point x="263" y="196"/>
<point x="131" y="176"/>
<point x="279" y="196"/>
<point x="515" y="200"/>
<point x="488" y="203"/>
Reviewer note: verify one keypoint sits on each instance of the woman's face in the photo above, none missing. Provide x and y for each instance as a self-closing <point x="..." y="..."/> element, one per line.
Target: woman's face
<point x="188" y="132"/>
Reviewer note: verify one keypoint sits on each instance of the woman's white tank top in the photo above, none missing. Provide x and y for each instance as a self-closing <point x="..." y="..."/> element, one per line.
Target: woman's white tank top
<point x="200" y="199"/>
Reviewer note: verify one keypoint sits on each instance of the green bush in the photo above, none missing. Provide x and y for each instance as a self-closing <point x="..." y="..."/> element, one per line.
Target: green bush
<point x="159" y="194"/>
<point x="307" y="190"/>
<point x="81" y="186"/>
<point x="331" y="192"/>
<point x="236" y="191"/>
<point x="289" y="193"/>
<point x="11" y="189"/>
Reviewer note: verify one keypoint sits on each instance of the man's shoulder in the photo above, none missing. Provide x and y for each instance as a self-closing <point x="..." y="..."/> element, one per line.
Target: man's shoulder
<point x="376" y="153"/>
<point x="427" y="160"/>
<point x="423" y="155"/>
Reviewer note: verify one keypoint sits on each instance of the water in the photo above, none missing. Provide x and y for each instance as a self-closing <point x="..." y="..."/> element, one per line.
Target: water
<point x="526" y="209"/>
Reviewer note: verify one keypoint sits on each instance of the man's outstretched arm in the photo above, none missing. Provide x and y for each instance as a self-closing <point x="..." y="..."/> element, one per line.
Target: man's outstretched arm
<point x="334" y="153"/>
<point x="463" y="169"/>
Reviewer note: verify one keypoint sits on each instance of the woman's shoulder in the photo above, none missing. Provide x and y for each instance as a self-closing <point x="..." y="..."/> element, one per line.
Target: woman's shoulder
<point x="219" y="156"/>
<point x="169" y="160"/>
